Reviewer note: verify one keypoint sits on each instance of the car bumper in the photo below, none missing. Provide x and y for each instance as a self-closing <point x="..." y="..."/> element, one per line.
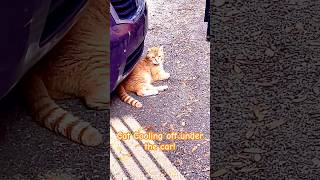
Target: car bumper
<point x="32" y="36"/>
<point x="126" y="46"/>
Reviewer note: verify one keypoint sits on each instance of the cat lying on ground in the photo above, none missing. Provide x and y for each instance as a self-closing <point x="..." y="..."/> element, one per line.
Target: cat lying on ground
<point x="78" y="67"/>
<point x="148" y="70"/>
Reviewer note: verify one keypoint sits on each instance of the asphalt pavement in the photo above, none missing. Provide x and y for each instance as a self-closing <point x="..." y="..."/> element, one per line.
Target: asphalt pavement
<point x="265" y="89"/>
<point x="179" y="26"/>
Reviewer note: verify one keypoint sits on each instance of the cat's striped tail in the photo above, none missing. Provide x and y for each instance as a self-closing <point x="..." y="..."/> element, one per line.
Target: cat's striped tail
<point x="125" y="97"/>
<point x="45" y="111"/>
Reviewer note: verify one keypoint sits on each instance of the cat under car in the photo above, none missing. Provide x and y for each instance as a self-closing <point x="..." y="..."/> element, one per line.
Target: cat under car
<point x="149" y="69"/>
<point x="76" y="68"/>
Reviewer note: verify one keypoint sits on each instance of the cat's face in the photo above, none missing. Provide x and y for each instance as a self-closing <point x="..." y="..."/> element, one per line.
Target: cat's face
<point x="155" y="55"/>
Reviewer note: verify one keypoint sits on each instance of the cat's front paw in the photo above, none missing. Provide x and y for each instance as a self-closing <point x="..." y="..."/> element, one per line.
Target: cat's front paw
<point x="166" y="76"/>
<point x="161" y="88"/>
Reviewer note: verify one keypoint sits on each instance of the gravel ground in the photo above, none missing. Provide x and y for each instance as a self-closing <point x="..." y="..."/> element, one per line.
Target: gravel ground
<point x="179" y="26"/>
<point x="28" y="151"/>
<point x="265" y="89"/>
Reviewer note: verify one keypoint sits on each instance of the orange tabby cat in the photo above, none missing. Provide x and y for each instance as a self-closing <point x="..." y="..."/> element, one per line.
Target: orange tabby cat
<point x="76" y="68"/>
<point x="148" y="69"/>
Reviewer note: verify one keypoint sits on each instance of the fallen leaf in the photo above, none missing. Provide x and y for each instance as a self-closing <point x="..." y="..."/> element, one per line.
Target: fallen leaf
<point x="194" y="149"/>
<point x="236" y="69"/>
<point x="316" y="161"/>
<point x="256" y="33"/>
<point x="233" y="12"/>
<point x="250" y="133"/>
<point x="218" y="3"/>
<point x="316" y="90"/>
<point x="257" y="157"/>
<point x="300" y="98"/>
<point x="246" y="169"/>
<point x="220" y="172"/>
<point x="238" y="164"/>
<point x="269" y="52"/>
<point x="275" y="124"/>
<point x="254" y="150"/>
<point x="299" y="26"/>
<point x="258" y="113"/>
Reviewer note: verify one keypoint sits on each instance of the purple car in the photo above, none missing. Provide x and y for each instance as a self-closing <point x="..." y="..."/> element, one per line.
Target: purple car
<point x="128" y="28"/>
<point x="30" y="28"/>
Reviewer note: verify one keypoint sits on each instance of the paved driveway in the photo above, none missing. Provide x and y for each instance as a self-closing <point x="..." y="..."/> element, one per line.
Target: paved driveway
<point x="179" y="26"/>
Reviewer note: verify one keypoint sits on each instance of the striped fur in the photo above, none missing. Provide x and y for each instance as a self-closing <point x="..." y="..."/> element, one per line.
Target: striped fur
<point x="148" y="70"/>
<point x="125" y="97"/>
<point x="48" y="114"/>
<point x="76" y="68"/>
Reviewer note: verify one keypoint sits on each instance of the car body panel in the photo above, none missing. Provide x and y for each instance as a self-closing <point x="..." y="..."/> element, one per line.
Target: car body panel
<point x="22" y="39"/>
<point x="126" y="42"/>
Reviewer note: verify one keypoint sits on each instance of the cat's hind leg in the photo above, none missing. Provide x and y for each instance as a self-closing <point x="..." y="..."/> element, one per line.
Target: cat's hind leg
<point x="48" y="114"/>
<point x="147" y="90"/>
<point x="99" y="100"/>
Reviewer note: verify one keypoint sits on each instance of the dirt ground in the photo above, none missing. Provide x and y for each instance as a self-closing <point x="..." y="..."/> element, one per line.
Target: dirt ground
<point x="265" y="108"/>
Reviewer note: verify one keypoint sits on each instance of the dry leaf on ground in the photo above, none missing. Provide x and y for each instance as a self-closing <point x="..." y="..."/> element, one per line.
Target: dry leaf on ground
<point x="237" y="69"/>
<point x="316" y="90"/>
<point x="246" y="169"/>
<point x="316" y="161"/>
<point x="300" y="98"/>
<point x="237" y="164"/>
<point x="220" y="172"/>
<point x="194" y="148"/>
<point x="218" y="3"/>
<point x="250" y="133"/>
<point x="275" y="124"/>
<point x="269" y="52"/>
<point x="258" y="113"/>
<point x="257" y="157"/>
